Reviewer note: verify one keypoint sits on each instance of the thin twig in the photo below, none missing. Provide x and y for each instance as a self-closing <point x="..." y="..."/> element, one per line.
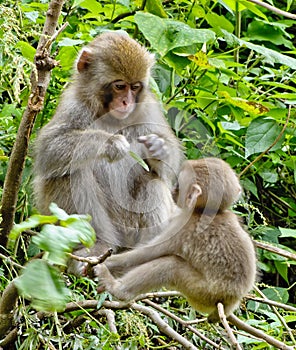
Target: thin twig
<point x="110" y="316"/>
<point x="92" y="260"/>
<point x="163" y="326"/>
<point x="271" y="302"/>
<point x="228" y="329"/>
<point x="9" y="260"/>
<point x="274" y="143"/>
<point x="275" y="250"/>
<point x="282" y="320"/>
<point x="258" y="333"/>
<point x="56" y="34"/>
<point x="182" y="322"/>
<point x="274" y="9"/>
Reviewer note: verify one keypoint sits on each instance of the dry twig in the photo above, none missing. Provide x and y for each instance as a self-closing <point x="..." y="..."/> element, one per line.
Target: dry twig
<point x="223" y="319"/>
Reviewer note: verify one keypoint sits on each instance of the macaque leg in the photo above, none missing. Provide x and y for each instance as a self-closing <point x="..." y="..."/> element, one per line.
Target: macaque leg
<point x="118" y="264"/>
<point x="168" y="271"/>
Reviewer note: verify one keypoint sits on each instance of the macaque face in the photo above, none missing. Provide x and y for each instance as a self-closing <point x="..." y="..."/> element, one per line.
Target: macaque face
<point x="121" y="98"/>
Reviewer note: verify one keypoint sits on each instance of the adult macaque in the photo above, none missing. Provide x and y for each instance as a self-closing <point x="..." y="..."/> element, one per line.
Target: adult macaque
<point x="210" y="259"/>
<point x="82" y="160"/>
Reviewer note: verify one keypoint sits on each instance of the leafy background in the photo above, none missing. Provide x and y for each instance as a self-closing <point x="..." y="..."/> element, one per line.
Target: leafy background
<point x="225" y="74"/>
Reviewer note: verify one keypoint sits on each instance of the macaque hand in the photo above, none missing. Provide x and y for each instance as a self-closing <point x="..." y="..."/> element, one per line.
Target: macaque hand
<point x="116" y="148"/>
<point x="156" y="146"/>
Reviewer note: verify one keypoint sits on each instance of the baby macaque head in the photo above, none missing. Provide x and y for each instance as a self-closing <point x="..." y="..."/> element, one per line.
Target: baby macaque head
<point x="208" y="183"/>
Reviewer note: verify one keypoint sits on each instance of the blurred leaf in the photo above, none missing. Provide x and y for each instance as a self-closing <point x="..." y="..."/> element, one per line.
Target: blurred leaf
<point x="215" y="20"/>
<point x="267" y="31"/>
<point x="70" y="42"/>
<point x="58" y="212"/>
<point x="57" y="242"/>
<point x="27" y="50"/>
<point x="92" y="6"/>
<point x="165" y="34"/>
<point x="32" y="222"/>
<point x="32" y="16"/>
<point x="287" y="232"/>
<point x="156" y="8"/>
<point x="41" y="283"/>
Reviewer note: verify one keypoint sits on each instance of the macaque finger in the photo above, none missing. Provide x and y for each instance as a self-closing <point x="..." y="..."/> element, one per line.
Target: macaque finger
<point x="155" y="145"/>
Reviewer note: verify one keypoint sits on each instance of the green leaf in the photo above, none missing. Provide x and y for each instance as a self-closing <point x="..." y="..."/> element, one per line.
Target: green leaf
<point x="266" y="31"/>
<point x="30" y="223"/>
<point x="249" y="186"/>
<point x="287" y="232"/>
<point x="27" y="50"/>
<point x="81" y="225"/>
<point x="282" y="269"/>
<point x="215" y="20"/>
<point x="70" y="42"/>
<point x="260" y="135"/>
<point x="165" y="34"/>
<point x="41" y="283"/>
<point x="57" y="242"/>
<point x="139" y="160"/>
<point x="32" y="15"/>
<point x="276" y="294"/>
<point x="155" y="7"/>
<point x="270" y="56"/>
<point x="92" y="6"/>
<point x="58" y="212"/>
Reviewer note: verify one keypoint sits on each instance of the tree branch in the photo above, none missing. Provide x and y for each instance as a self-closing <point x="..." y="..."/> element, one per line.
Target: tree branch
<point x="223" y="319"/>
<point x="258" y="333"/>
<point x="39" y="82"/>
<point x="7" y="305"/>
<point x="275" y="250"/>
<point x="273" y="9"/>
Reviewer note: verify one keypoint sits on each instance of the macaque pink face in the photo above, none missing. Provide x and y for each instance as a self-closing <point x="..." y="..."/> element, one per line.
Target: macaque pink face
<point x="124" y="98"/>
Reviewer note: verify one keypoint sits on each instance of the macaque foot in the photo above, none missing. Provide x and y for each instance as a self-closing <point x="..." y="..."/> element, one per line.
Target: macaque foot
<point x="155" y="145"/>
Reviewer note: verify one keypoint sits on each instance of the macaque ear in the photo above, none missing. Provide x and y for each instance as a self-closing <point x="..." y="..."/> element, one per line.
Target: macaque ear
<point x="193" y="193"/>
<point x="84" y="59"/>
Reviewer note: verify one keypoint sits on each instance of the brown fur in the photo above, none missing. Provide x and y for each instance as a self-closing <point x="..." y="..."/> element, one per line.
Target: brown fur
<point x="210" y="259"/>
<point x="82" y="159"/>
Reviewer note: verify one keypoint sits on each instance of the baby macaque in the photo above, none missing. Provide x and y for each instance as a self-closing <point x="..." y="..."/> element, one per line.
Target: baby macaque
<point x="209" y="259"/>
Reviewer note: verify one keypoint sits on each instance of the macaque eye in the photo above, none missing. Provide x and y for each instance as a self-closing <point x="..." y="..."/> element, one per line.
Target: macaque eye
<point x="135" y="87"/>
<point x="120" y="86"/>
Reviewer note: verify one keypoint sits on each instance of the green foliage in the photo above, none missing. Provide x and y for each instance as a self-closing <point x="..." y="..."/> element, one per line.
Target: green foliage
<point x="55" y="241"/>
<point x="226" y="87"/>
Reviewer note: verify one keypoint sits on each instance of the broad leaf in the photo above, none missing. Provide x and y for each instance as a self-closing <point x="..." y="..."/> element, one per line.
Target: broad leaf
<point x="260" y="135"/>
<point x="41" y="283"/>
<point x="287" y="232"/>
<point x="270" y="56"/>
<point x="165" y="34"/>
<point x="27" y="50"/>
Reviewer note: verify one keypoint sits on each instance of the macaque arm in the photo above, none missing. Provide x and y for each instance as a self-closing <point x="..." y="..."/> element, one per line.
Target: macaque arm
<point x="66" y="149"/>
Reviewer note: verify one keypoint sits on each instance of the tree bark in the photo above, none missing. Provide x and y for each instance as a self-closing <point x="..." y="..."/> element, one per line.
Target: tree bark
<point x="40" y="78"/>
